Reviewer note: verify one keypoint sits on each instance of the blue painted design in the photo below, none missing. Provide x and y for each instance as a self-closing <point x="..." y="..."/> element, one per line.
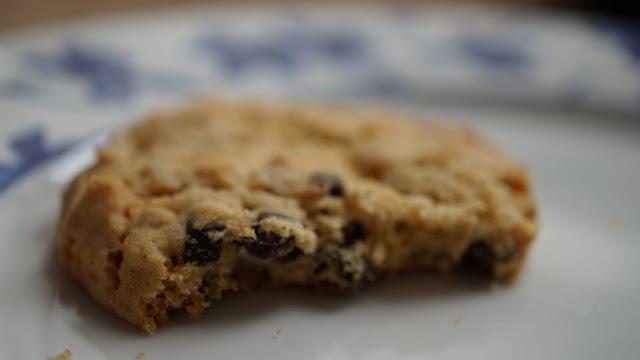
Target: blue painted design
<point x="498" y="54"/>
<point x="109" y="77"/>
<point x="236" y="58"/>
<point x="284" y="50"/>
<point x="31" y="150"/>
<point x="336" y="46"/>
<point x="301" y="53"/>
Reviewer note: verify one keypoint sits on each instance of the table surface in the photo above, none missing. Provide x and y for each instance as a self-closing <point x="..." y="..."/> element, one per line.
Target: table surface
<point x="23" y="13"/>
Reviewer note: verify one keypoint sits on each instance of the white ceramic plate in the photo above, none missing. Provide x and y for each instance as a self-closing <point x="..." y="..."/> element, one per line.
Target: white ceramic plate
<point x="577" y="299"/>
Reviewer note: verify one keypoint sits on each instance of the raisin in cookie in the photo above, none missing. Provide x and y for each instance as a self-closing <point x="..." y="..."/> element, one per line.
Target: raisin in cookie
<point x="220" y="197"/>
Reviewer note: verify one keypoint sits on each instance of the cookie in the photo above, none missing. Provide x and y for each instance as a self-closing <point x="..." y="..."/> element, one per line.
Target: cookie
<point x="226" y="197"/>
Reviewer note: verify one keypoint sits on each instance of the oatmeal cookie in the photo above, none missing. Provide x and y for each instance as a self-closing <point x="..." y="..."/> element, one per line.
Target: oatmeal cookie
<point x="225" y="197"/>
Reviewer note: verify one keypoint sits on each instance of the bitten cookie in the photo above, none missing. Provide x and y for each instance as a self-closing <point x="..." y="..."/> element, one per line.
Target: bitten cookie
<point x="222" y="197"/>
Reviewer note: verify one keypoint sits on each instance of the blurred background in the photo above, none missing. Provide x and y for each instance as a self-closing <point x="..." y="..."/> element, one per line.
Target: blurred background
<point x="69" y="69"/>
<point x="25" y="12"/>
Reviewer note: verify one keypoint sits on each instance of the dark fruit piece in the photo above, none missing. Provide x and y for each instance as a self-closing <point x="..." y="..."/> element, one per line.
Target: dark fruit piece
<point x="481" y="255"/>
<point x="330" y="183"/>
<point x="358" y="268"/>
<point x="352" y="233"/>
<point x="268" y="244"/>
<point x="292" y="255"/>
<point x="202" y="246"/>
<point x="321" y="267"/>
<point x="345" y="269"/>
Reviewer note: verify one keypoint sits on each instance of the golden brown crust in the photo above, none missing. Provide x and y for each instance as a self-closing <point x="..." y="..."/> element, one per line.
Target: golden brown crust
<point x="223" y="197"/>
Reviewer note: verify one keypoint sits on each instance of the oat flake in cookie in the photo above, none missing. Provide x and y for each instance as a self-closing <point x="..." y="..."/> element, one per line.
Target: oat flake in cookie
<point x="220" y="197"/>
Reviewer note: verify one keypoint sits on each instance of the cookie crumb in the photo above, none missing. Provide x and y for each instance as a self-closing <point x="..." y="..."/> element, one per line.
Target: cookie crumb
<point x="65" y="355"/>
<point x="141" y="354"/>
<point x="277" y="334"/>
<point x="458" y="321"/>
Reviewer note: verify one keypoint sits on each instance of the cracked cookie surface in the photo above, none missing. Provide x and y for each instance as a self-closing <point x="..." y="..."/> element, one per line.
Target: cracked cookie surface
<point x="223" y="197"/>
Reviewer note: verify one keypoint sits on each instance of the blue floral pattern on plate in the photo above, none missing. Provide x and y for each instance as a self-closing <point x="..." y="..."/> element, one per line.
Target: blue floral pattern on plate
<point x="498" y="57"/>
<point x="31" y="150"/>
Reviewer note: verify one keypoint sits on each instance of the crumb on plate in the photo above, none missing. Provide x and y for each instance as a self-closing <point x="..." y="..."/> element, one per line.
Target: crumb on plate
<point x="65" y="355"/>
